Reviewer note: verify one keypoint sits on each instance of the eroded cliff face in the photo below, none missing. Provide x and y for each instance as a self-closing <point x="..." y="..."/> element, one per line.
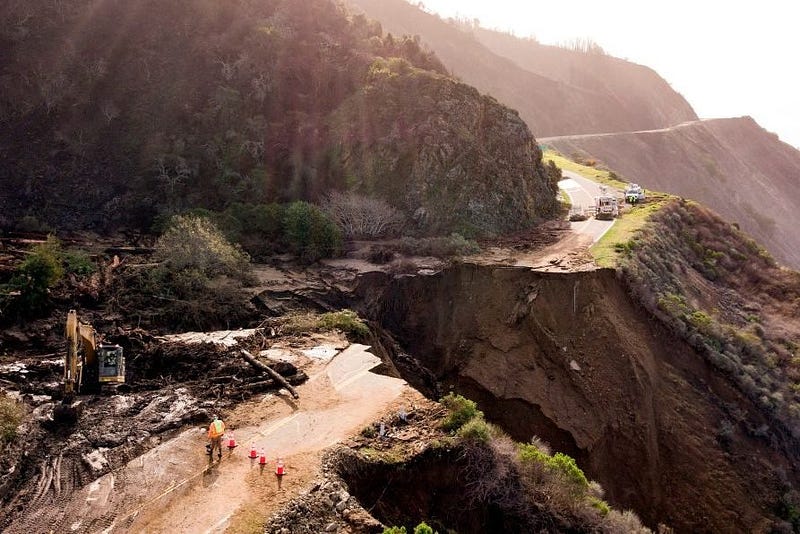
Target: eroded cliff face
<point x="572" y="359"/>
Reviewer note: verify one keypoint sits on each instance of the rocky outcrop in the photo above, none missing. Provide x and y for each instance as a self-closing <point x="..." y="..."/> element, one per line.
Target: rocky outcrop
<point x="572" y="359"/>
<point x="454" y="159"/>
<point x="733" y="166"/>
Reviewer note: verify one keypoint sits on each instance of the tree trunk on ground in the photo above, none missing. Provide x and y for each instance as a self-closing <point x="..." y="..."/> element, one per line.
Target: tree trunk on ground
<point x="267" y="369"/>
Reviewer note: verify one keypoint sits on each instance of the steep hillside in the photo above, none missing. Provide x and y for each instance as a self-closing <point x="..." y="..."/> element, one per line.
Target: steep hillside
<point x="573" y="360"/>
<point x="556" y="91"/>
<point x="734" y="166"/>
<point x="689" y="419"/>
<point x="644" y="95"/>
<point x="115" y="113"/>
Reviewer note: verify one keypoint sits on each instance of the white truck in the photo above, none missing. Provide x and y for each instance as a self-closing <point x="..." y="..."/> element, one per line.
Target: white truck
<point x="634" y="194"/>
<point x="605" y="207"/>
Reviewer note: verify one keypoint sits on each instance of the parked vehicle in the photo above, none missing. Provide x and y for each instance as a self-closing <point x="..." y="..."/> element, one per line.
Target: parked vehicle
<point x="634" y="194"/>
<point x="605" y="207"/>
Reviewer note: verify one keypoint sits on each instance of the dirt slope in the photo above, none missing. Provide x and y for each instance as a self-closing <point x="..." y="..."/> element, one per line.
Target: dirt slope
<point x="572" y="359"/>
<point x="555" y="91"/>
<point x="733" y="166"/>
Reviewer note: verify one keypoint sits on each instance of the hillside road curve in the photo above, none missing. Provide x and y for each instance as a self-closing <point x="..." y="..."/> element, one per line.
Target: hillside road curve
<point x="581" y="192"/>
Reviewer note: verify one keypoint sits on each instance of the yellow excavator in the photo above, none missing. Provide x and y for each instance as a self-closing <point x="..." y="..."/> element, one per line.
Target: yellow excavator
<point x="90" y="366"/>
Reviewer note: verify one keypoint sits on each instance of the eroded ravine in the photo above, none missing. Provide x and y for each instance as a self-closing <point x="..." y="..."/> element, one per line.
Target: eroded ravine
<point x="572" y="359"/>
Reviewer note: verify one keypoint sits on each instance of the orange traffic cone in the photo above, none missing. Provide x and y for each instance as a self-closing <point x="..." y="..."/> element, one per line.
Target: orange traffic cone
<point x="262" y="460"/>
<point x="253" y="454"/>
<point x="231" y="441"/>
<point x="279" y="471"/>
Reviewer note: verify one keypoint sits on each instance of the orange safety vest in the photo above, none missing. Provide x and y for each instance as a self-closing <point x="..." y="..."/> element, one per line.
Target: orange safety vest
<point x="216" y="429"/>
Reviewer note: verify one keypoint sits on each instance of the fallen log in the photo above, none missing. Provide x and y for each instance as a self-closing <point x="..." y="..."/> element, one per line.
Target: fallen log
<point x="130" y="250"/>
<point x="267" y="369"/>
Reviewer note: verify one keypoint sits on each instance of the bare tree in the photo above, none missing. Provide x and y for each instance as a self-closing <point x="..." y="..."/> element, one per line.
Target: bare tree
<point x="109" y="110"/>
<point x="52" y="88"/>
<point x="362" y="216"/>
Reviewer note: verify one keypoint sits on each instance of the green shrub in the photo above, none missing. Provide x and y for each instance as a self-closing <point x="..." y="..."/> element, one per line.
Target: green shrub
<point x="461" y="411"/>
<point x="195" y="243"/>
<point x="347" y="321"/>
<point x="394" y="530"/>
<point x="423" y="528"/>
<point x="40" y="271"/>
<point x="310" y="232"/>
<point x="199" y="283"/>
<point x="10" y="417"/>
<point x="78" y="262"/>
<point x="528" y="454"/>
<point x="439" y="247"/>
<point x="477" y="429"/>
<point x="601" y="506"/>
<point x="566" y="465"/>
<point x="559" y="464"/>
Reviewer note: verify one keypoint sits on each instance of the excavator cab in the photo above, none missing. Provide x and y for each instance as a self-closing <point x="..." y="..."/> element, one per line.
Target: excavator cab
<point x="111" y="364"/>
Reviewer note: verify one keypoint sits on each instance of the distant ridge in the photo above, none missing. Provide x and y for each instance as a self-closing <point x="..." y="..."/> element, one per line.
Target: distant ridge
<point x="556" y="91"/>
<point x="734" y="166"/>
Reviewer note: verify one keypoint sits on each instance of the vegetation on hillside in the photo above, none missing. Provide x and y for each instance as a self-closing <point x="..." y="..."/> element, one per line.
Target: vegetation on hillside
<point x="118" y="114"/>
<point x="727" y="297"/>
<point x="198" y="282"/>
<point x="585" y="167"/>
<point x="557" y="91"/>
<point x="28" y="293"/>
<point x="10" y="418"/>
<point x="527" y="487"/>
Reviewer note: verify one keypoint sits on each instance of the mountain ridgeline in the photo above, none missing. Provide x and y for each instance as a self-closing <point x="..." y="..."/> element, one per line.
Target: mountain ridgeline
<point x="556" y="90"/>
<point x="112" y="114"/>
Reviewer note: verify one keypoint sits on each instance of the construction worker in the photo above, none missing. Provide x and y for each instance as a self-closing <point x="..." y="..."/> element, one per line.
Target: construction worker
<point x="215" y="431"/>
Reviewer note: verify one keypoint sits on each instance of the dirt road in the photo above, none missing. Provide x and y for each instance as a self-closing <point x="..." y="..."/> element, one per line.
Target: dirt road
<point x="173" y="488"/>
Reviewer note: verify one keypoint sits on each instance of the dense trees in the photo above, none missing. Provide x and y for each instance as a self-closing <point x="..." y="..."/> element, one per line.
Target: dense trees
<point x="119" y="112"/>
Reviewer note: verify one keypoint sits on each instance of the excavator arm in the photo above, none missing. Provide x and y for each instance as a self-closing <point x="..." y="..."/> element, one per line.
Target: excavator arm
<point x="81" y="353"/>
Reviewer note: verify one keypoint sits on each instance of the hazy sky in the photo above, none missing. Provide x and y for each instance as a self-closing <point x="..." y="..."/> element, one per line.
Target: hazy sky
<point x="727" y="58"/>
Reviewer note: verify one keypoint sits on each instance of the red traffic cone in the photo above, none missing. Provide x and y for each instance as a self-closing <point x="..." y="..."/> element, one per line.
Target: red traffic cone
<point x="262" y="459"/>
<point x="253" y="454"/>
<point x="279" y="471"/>
<point x="231" y="441"/>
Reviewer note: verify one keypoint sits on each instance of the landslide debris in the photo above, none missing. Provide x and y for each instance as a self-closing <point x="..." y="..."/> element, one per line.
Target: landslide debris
<point x="169" y="385"/>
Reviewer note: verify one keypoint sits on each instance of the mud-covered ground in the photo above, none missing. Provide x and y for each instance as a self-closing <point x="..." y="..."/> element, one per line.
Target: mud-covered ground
<point x="170" y="385"/>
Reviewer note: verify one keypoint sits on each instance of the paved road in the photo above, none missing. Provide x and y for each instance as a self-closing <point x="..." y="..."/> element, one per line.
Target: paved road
<point x="581" y="192"/>
<point x="172" y="488"/>
<point x="545" y="140"/>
